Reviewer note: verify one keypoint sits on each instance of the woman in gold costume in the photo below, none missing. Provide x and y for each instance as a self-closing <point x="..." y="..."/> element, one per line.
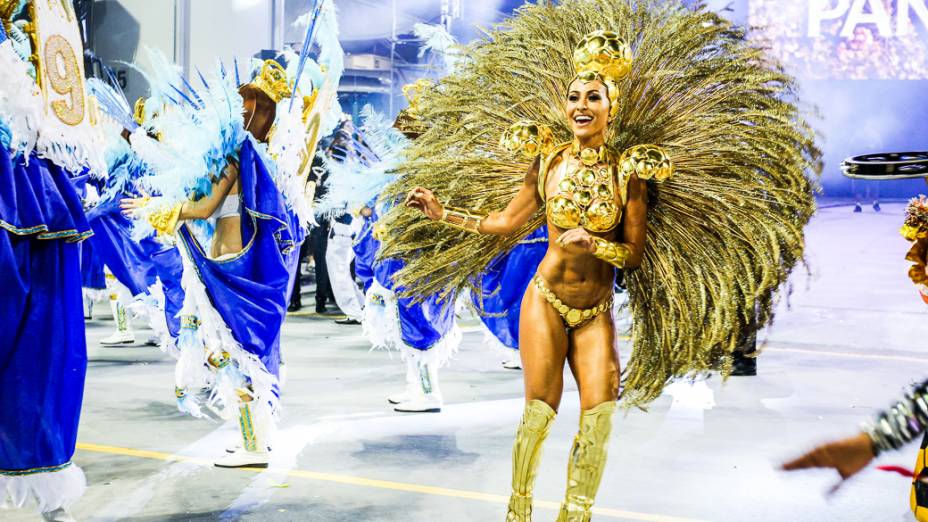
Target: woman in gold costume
<point x="705" y="240"/>
<point x="596" y="217"/>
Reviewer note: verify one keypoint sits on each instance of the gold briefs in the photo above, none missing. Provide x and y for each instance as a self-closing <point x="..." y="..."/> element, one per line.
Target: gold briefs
<point x="573" y="317"/>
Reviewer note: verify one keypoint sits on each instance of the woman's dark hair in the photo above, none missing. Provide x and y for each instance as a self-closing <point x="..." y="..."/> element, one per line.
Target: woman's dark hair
<point x="260" y="111"/>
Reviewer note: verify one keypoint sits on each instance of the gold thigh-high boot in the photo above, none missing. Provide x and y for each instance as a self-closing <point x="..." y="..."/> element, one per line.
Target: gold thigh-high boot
<point x="526" y="454"/>
<point x="587" y="460"/>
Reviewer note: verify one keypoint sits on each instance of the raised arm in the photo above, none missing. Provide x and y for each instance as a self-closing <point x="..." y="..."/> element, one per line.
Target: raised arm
<point x="516" y="214"/>
<point x="165" y="217"/>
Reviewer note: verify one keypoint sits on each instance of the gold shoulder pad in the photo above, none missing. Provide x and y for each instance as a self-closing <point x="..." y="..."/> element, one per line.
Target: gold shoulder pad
<point x="528" y="140"/>
<point x="648" y="162"/>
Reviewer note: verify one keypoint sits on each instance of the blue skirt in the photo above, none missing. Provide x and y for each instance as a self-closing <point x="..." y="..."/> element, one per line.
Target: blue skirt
<point x="43" y="354"/>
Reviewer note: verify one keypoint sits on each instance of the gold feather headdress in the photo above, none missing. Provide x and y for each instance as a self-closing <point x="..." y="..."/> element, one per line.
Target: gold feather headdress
<point x="723" y="234"/>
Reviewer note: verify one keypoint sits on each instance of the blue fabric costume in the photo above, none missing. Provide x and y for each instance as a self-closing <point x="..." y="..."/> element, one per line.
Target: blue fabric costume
<point x="43" y="355"/>
<point x="92" y="273"/>
<point x="250" y="291"/>
<point x="136" y="264"/>
<point x="504" y="284"/>
<point x="423" y="325"/>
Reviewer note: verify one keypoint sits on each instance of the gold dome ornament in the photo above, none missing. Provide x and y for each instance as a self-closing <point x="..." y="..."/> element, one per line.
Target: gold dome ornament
<point x="219" y="360"/>
<point x="603" y="56"/>
<point x="528" y="139"/>
<point x="648" y="162"/>
<point x="273" y="81"/>
<point x="414" y="92"/>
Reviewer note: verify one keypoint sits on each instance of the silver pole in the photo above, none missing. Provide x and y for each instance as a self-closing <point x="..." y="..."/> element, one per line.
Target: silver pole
<point x="393" y="60"/>
<point x="182" y="35"/>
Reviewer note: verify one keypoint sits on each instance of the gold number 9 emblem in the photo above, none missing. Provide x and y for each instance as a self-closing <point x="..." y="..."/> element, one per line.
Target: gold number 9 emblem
<point x="58" y="53"/>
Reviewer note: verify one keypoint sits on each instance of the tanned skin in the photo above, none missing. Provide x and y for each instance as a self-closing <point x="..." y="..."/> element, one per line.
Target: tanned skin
<point x="259" y="112"/>
<point x="569" y="268"/>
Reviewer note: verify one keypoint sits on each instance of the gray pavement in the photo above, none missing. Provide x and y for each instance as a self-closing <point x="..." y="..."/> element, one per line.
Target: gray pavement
<point x="853" y="336"/>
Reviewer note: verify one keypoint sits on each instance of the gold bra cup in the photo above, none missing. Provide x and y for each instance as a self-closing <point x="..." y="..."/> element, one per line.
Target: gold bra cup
<point x="586" y="198"/>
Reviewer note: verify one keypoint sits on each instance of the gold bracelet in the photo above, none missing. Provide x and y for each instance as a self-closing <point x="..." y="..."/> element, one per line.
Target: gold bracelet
<point x="613" y="253"/>
<point x="461" y="219"/>
<point x="164" y="220"/>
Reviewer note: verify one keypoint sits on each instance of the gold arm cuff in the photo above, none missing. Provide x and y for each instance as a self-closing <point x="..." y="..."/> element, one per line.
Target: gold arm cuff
<point x="164" y="221"/>
<point x="462" y="219"/>
<point x="613" y="253"/>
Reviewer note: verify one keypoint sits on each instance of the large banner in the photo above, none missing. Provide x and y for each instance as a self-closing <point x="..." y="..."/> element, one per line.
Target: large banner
<point x="845" y="39"/>
<point x="69" y="133"/>
<point x="60" y="62"/>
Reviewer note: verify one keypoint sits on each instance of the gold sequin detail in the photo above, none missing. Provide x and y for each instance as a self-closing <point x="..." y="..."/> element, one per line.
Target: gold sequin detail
<point x="58" y="52"/>
<point x="572" y="317"/>
<point x="585" y="196"/>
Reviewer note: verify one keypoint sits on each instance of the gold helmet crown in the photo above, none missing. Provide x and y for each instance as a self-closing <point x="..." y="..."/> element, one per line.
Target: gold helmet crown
<point x="603" y="56"/>
<point x="273" y="81"/>
<point x="414" y="92"/>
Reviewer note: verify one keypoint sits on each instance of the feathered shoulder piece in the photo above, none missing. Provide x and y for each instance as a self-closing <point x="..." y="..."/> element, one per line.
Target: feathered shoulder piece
<point x="723" y="233"/>
<point x="199" y="128"/>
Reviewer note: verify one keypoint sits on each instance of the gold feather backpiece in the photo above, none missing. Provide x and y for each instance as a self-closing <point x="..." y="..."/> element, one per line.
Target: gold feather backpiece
<point x="723" y="233"/>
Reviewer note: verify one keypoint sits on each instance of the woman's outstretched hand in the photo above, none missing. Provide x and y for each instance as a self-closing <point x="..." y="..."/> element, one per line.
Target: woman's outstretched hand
<point x="130" y="205"/>
<point x="424" y="200"/>
<point x="846" y="456"/>
<point x="576" y="241"/>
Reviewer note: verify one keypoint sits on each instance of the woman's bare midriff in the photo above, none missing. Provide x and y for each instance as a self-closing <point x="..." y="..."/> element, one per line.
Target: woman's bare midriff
<point x="580" y="281"/>
<point x="228" y="236"/>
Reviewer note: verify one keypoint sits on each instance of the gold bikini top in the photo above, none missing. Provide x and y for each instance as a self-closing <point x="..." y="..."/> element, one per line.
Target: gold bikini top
<point x="585" y="196"/>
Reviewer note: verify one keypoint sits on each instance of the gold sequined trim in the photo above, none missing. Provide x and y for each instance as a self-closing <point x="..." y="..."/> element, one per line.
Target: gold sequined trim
<point x="33" y="471"/>
<point x="572" y="317"/>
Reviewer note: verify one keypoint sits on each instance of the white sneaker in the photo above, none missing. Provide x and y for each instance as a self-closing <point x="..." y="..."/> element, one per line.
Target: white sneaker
<point x="513" y="364"/>
<point x="401" y="397"/>
<point x="244" y="459"/>
<point x="58" y="515"/>
<point x="422" y="404"/>
<point x="119" y="338"/>
<point x="238" y="447"/>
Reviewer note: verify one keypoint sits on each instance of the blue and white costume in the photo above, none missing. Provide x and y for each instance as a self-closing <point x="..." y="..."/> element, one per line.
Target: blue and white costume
<point x="234" y="305"/>
<point x="46" y="141"/>
<point x="501" y="288"/>
<point x="426" y="334"/>
<point x="148" y="271"/>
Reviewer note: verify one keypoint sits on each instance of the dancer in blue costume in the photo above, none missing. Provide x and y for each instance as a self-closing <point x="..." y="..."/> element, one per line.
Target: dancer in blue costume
<point x="426" y="334"/>
<point x="46" y="139"/>
<point x="147" y="270"/>
<point x="137" y="265"/>
<point x="240" y="232"/>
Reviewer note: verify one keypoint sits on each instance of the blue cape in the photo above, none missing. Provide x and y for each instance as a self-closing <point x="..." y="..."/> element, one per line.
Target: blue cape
<point x="504" y="284"/>
<point x="252" y="289"/>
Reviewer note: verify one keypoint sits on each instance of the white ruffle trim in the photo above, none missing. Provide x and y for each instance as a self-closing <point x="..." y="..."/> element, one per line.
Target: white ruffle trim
<point x="21" y="104"/>
<point x="49" y="490"/>
<point x="22" y="109"/>
<point x="381" y="325"/>
<point x="213" y="337"/>
<point x="149" y="307"/>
